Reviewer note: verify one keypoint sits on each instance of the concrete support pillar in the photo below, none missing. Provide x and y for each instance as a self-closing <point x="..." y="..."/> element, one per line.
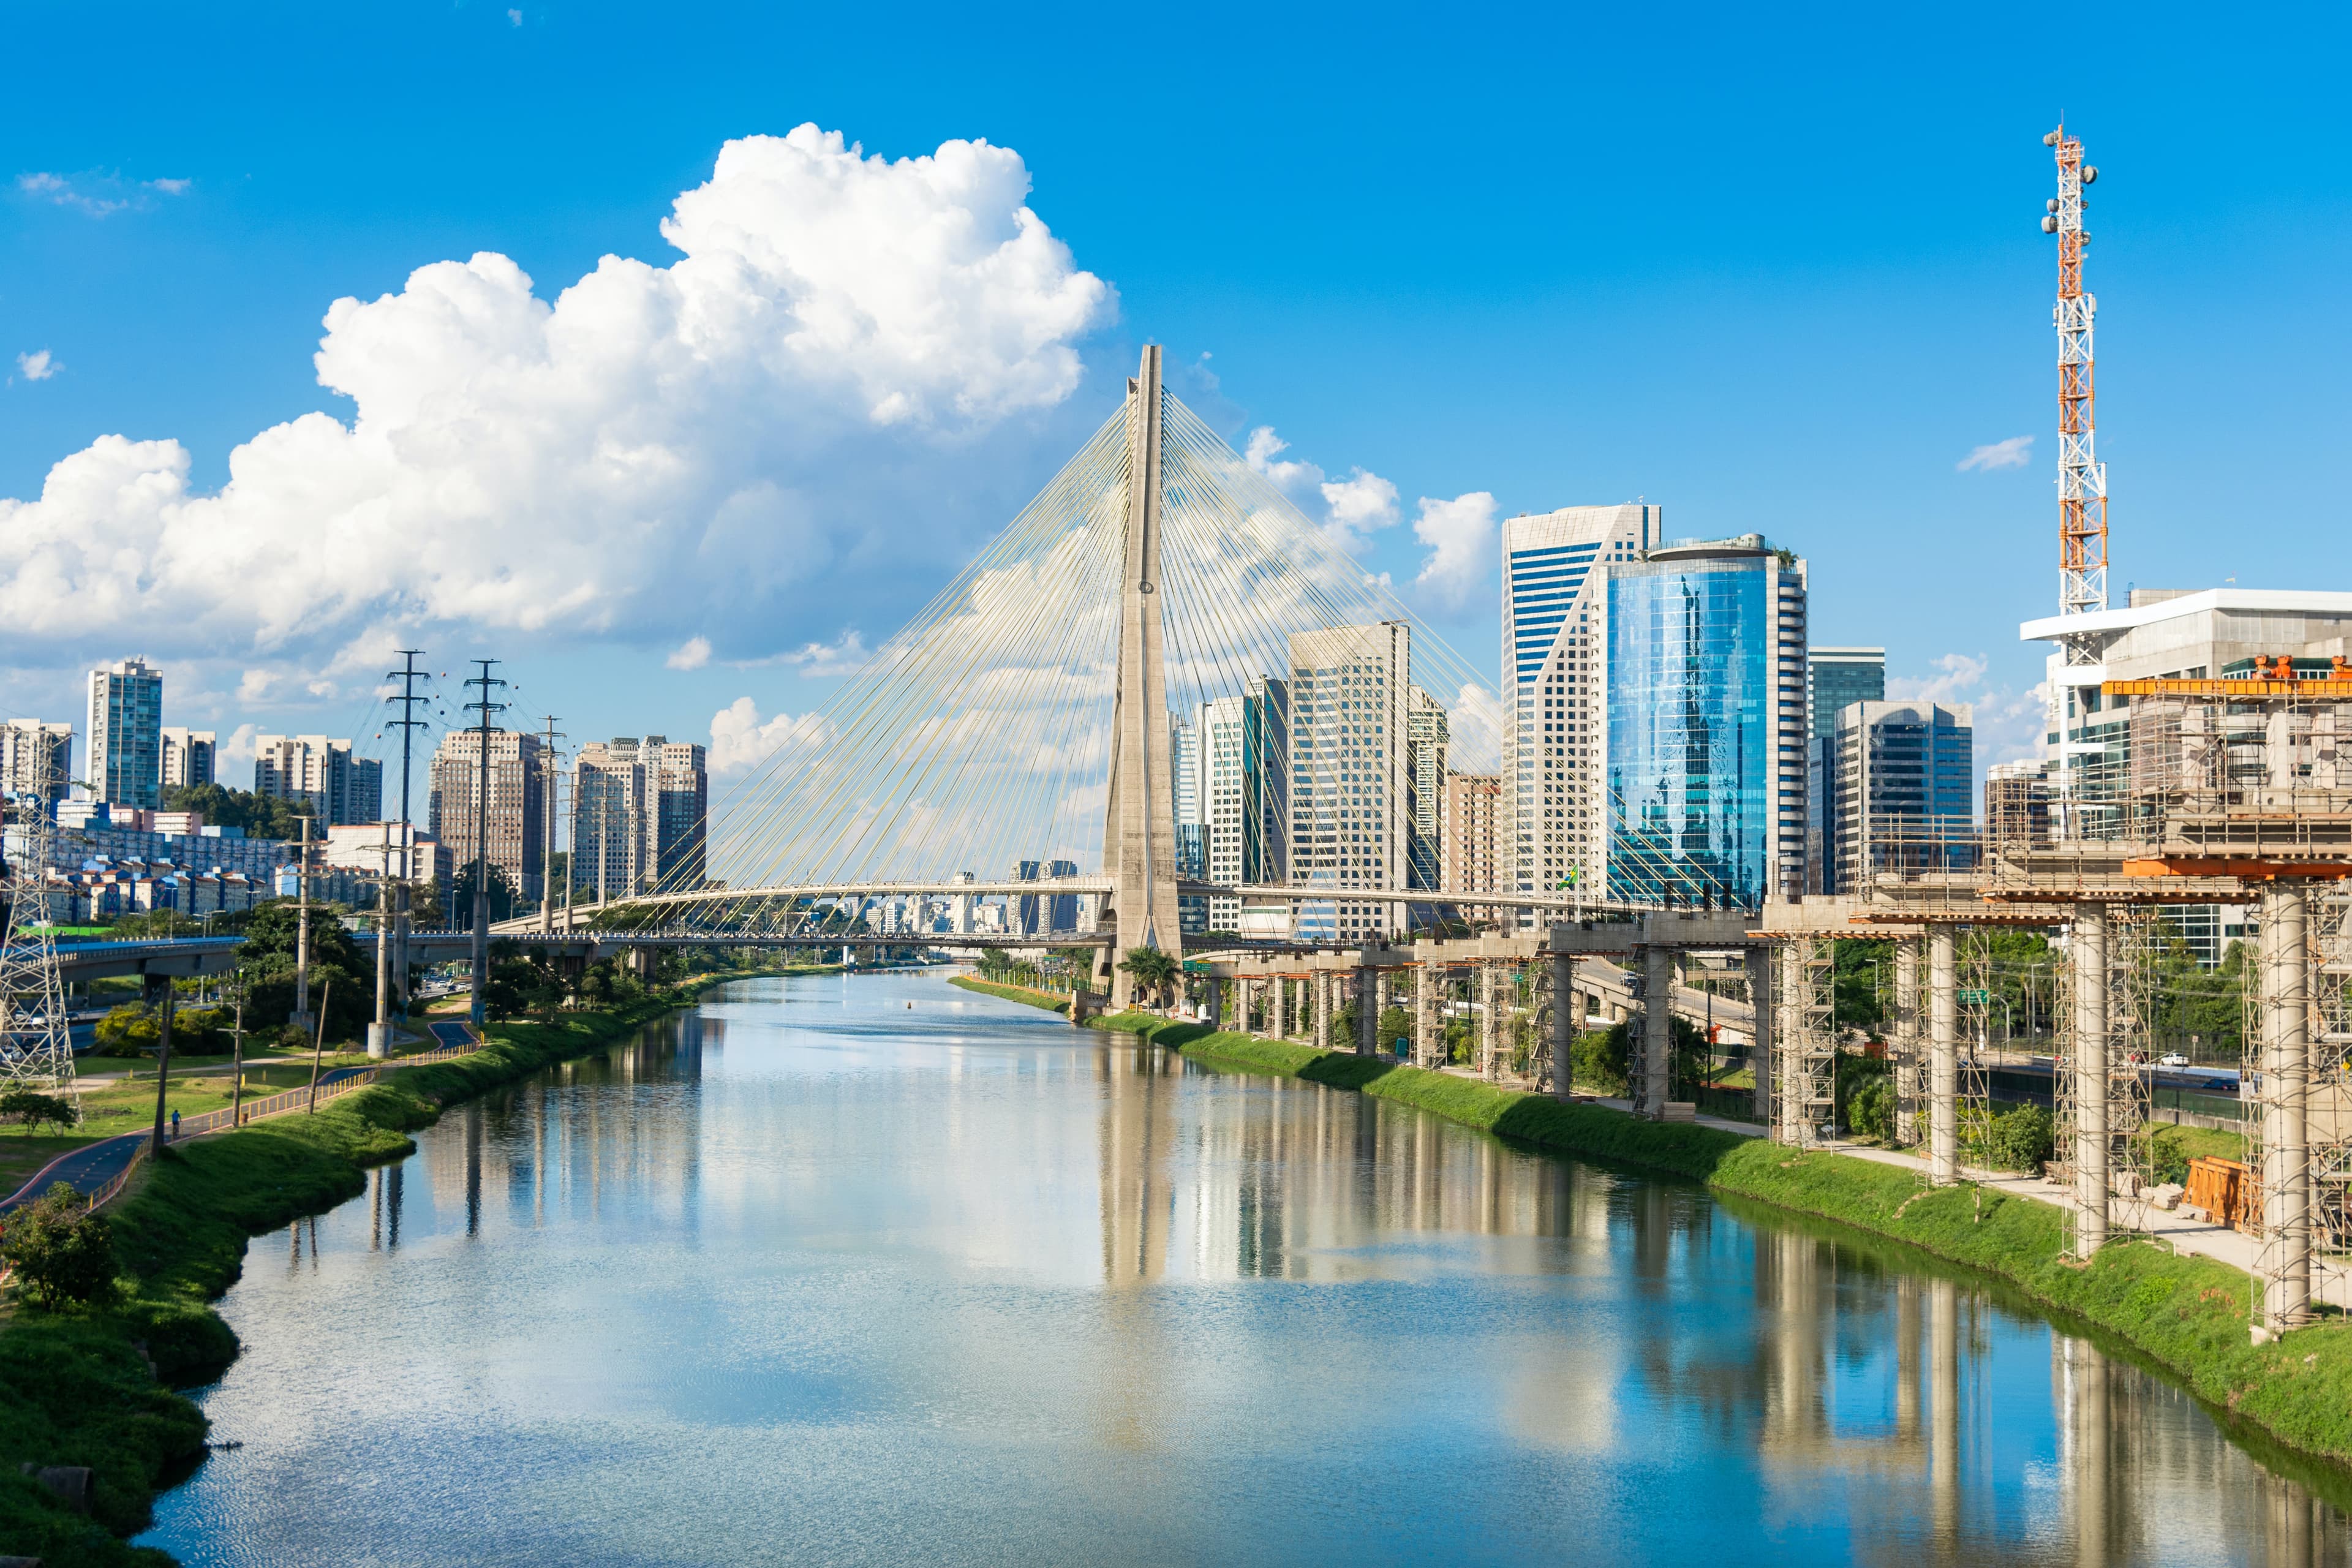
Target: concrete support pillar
<point x="1563" y="1020"/>
<point x="1213" y="989"/>
<point x="1490" y="1025"/>
<point x="1758" y="962"/>
<point x="1943" y="1058"/>
<point x="1323" y="1009"/>
<point x="1368" y="987"/>
<point x="2089" y="1067"/>
<point x="1907" y="1042"/>
<point x="1790" y="1079"/>
<point x="2284" y="1264"/>
<point x="1655" y="1072"/>
<point x="1426" y="979"/>
<point x="1385" y="988"/>
<point x="1277" y="1019"/>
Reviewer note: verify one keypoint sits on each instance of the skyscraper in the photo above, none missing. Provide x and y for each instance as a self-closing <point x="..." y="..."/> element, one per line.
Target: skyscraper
<point x="1424" y="782"/>
<point x="1706" y="716"/>
<point x="1836" y="679"/>
<point x="513" y="842"/>
<point x="677" y="785"/>
<point x="340" y="787"/>
<point x="1184" y="772"/>
<point x="1350" y="690"/>
<point x="1471" y="858"/>
<point x="640" y="816"/>
<point x="126" y="733"/>
<point x="1555" y="817"/>
<point x="35" y="759"/>
<point x="1246" y="791"/>
<point x="188" y="756"/>
<point x="1904" y="790"/>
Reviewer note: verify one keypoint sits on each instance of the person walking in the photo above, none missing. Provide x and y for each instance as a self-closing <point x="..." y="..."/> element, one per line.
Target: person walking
<point x="175" y="1124"/>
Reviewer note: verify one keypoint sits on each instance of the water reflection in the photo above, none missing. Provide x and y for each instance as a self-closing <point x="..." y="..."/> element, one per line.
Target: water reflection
<point x="965" y="1286"/>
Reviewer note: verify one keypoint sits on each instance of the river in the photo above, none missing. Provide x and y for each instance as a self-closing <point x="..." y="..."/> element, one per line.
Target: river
<point x="870" y="1270"/>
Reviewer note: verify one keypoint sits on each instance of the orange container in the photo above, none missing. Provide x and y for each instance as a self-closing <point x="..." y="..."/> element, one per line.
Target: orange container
<point x="2226" y="1189"/>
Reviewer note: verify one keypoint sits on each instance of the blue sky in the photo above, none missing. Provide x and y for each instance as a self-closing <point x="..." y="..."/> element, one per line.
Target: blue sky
<point x="1772" y="271"/>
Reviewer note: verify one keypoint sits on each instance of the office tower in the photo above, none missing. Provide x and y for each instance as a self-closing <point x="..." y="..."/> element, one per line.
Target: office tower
<point x="678" y="788"/>
<point x="35" y="759"/>
<point x="126" y="734"/>
<point x="1471" y="857"/>
<point x="1424" y="782"/>
<point x="1184" y="770"/>
<point x="1348" y="696"/>
<point x="1061" y="909"/>
<point x="1906" y="789"/>
<point x="340" y="788"/>
<point x="1025" y="913"/>
<point x="1554" y="685"/>
<point x="1245" y="791"/>
<point x="513" y="842"/>
<point x="188" y="756"/>
<point x="1836" y="679"/>
<point x="2017" y="804"/>
<point x="1707" y="724"/>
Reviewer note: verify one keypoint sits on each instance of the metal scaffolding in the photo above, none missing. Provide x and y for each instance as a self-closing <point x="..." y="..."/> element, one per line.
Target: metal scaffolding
<point x="1806" y="1041"/>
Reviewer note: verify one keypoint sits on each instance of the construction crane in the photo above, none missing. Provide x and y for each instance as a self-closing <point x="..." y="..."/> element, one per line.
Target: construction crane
<point x="2081" y="478"/>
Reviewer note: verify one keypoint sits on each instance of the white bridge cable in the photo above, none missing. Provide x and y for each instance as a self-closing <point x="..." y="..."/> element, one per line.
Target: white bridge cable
<point x="979" y="737"/>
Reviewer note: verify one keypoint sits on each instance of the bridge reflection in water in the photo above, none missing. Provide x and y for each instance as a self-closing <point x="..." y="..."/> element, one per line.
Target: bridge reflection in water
<point x="847" y="1242"/>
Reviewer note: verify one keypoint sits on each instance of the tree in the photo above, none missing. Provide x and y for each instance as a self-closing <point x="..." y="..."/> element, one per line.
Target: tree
<point x="1154" y="970"/>
<point x="32" y="1108"/>
<point x="129" y="1030"/>
<point x="60" y="1251"/>
<point x="260" y="815"/>
<point x="504" y="900"/>
<point x="1863" y="983"/>
<point x="268" y="959"/>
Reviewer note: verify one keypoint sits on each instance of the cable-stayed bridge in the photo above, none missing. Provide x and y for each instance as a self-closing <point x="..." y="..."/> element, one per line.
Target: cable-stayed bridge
<point x="1032" y="717"/>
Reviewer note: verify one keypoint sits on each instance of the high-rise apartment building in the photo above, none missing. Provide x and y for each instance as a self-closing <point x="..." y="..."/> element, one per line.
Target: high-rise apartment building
<point x="1471" y="858"/>
<point x="126" y="733"/>
<point x="1903" y="797"/>
<point x="35" y="759"/>
<point x="1245" y="791"/>
<point x="1707" y="718"/>
<point x="188" y="756"/>
<point x="1836" y="679"/>
<point x="640" y="816"/>
<point x="455" y="805"/>
<point x="1350" y="821"/>
<point x="340" y="787"/>
<point x="1424" y="783"/>
<point x="1555" y="816"/>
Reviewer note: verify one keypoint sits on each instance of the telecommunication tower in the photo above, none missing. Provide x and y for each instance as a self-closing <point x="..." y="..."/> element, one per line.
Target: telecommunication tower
<point x="35" y="1039"/>
<point x="2082" y="484"/>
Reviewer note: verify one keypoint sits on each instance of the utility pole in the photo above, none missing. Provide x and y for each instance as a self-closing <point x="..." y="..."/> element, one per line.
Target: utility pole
<point x="547" y="813"/>
<point x="486" y="708"/>
<point x="408" y="723"/>
<point x="302" y="932"/>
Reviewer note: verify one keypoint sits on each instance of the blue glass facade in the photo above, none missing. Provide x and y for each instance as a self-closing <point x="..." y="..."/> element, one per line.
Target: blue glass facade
<point x="1691" y="653"/>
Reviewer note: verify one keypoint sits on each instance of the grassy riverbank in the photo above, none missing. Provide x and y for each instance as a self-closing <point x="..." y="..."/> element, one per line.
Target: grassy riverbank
<point x="2186" y="1314"/>
<point x="76" y="1388"/>
<point x="1022" y="993"/>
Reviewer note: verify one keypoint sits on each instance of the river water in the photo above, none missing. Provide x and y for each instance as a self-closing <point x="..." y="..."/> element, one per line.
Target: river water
<point x="811" y="1275"/>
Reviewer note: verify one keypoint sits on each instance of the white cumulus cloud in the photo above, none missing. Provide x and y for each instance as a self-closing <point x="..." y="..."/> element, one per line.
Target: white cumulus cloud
<point x="740" y="740"/>
<point x="37" y="365"/>
<point x="653" y="450"/>
<point x="692" y="655"/>
<point x="2013" y="453"/>
<point x="1460" y="537"/>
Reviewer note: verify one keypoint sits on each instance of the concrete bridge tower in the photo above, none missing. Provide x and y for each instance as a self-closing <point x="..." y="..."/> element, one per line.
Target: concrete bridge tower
<point x="1140" y="817"/>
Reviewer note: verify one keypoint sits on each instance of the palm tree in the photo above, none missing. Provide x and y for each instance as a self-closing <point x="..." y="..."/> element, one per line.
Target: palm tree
<point x="1153" y="970"/>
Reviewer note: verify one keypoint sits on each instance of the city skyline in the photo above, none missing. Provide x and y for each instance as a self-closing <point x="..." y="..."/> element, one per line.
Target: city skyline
<point x="1713" y="369"/>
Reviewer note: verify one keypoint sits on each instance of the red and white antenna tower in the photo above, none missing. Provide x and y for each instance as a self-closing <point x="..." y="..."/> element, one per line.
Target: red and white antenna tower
<point x="2081" y="478"/>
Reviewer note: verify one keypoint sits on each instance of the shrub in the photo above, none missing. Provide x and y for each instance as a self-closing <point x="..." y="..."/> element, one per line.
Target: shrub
<point x="1870" y="1109"/>
<point x="2168" y="1158"/>
<point x="2022" y="1140"/>
<point x="60" y="1251"/>
<point x="1598" y="1061"/>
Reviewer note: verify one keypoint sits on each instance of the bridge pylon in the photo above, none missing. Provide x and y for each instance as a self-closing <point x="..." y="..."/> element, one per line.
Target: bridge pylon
<point x="1139" y="815"/>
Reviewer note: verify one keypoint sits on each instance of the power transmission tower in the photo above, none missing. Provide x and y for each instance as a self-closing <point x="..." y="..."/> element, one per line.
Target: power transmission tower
<point x="408" y="723"/>
<point x="486" y="708"/>
<point x="547" y="825"/>
<point x="35" y="1044"/>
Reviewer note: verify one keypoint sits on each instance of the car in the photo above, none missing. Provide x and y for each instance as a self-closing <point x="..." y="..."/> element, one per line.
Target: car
<point x="2172" y="1059"/>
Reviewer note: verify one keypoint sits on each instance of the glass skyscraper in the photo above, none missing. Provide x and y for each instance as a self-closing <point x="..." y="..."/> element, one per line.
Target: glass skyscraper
<point x="1706" y="725"/>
